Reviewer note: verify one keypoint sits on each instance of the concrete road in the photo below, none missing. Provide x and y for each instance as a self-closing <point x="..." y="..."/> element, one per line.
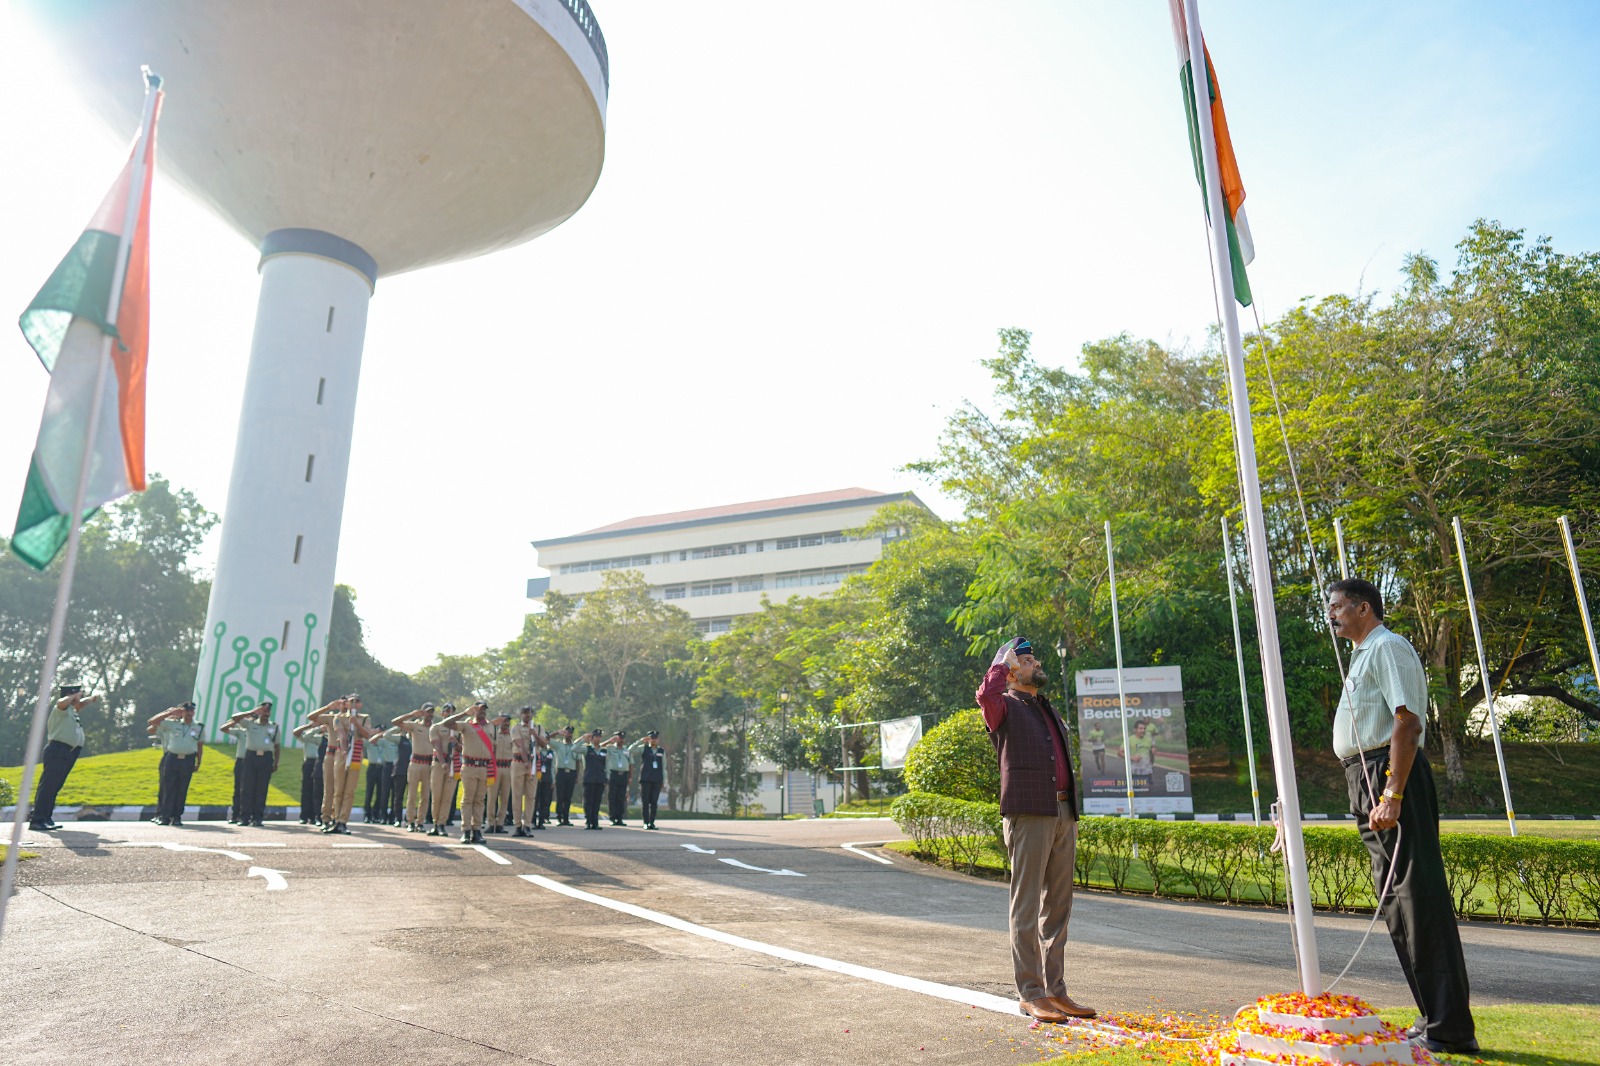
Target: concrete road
<point x="706" y="942"/>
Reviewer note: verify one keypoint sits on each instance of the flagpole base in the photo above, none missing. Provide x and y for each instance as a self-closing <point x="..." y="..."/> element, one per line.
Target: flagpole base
<point x="1293" y="1029"/>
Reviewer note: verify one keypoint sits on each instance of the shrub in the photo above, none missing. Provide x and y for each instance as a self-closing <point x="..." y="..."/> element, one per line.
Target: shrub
<point x="950" y="830"/>
<point x="956" y="759"/>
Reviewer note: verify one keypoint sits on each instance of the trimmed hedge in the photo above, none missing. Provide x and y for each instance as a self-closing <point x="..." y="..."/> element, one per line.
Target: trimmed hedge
<point x="1535" y="879"/>
<point x="956" y="759"/>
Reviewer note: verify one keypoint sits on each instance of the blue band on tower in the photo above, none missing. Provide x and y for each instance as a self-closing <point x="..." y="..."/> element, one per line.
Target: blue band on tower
<point x="325" y="245"/>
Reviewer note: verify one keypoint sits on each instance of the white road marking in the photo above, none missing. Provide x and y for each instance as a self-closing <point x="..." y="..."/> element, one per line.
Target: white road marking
<point x="239" y="855"/>
<point x="485" y="850"/>
<point x="359" y="844"/>
<point x="761" y="869"/>
<point x="855" y="849"/>
<point x="952" y="993"/>
<point x="253" y="844"/>
<point x="273" y="878"/>
<point x="698" y="850"/>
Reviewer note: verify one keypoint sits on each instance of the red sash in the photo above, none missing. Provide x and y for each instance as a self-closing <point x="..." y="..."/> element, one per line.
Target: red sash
<point x="487" y="743"/>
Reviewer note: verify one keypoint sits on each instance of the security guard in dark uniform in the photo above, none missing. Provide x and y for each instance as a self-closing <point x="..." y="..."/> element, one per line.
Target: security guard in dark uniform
<point x="594" y="779"/>
<point x="546" y="790"/>
<point x="652" y="773"/>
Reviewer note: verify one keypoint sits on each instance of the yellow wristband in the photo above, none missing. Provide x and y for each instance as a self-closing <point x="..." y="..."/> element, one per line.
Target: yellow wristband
<point x="1390" y="793"/>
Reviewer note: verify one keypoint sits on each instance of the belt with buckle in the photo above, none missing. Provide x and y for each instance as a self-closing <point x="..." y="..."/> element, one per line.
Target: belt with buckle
<point x="422" y="760"/>
<point x="1363" y="756"/>
<point x="470" y="761"/>
<point x="1063" y="797"/>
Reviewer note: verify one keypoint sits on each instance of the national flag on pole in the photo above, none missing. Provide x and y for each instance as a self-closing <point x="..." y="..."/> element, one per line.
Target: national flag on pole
<point x="1241" y="248"/>
<point x="94" y="307"/>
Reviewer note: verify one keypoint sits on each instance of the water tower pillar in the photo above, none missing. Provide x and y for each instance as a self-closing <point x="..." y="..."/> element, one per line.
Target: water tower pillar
<point x="266" y="632"/>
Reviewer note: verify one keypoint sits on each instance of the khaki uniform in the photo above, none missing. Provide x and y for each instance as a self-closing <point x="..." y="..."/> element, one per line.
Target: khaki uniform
<point x="476" y="757"/>
<point x="524" y="776"/>
<point x="442" y="782"/>
<point x="500" y="793"/>
<point x="344" y="756"/>
<point x="419" y="772"/>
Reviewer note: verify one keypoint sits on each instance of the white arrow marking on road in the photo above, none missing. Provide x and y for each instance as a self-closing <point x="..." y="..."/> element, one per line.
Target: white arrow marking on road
<point x="855" y="849"/>
<point x="699" y="850"/>
<point x="274" y="878"/>
<point x="951" y="993"/>
<point x="239" y="855"/>
<point x="761" y="869"/>
<point x="485" y="850"/>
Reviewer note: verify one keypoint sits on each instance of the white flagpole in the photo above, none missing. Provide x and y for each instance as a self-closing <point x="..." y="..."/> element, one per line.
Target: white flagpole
<point x="1483" y="675"/>
<point x="1583" y="604"/>
<point x="1338" y="539"/>
<point x="69" y="565"/>
<point x="1244" y="692"/>
<point x="1122" y="695"/>
<point x="1254" y="525"/>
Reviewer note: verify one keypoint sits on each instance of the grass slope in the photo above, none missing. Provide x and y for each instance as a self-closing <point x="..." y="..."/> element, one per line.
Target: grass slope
<point x="128" y="779"/>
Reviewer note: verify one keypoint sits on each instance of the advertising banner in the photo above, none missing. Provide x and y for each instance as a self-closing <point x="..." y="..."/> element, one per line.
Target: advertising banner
<point x="898" y="737"/>
<point x="1158" y="741"/>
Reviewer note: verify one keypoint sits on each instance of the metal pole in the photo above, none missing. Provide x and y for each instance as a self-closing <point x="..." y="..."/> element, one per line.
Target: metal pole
<point x="69" y="565"/>
<point x="1244" y="692"/>
<point x="1338" y="538"/>
<point x="1254" y="520"/>
<point x="1122" y="696"/>
<point x="1583" y="604"/>
<point x="1483" y="674"/>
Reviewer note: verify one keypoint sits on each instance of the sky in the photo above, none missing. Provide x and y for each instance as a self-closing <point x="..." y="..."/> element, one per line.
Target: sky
<point x="811" y="222"/>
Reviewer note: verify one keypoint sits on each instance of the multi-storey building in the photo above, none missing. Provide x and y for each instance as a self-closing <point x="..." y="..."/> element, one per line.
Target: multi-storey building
<point x="717" y="562"/>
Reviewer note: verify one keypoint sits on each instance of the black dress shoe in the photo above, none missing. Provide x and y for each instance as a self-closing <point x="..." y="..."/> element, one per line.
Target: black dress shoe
<point x="1414" y="1030"/>
<point x="1469" y="1047"/>
<point x="52" y="825"/>
<point x="38" y="827"/>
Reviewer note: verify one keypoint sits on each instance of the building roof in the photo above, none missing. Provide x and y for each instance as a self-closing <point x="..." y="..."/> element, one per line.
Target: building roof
<point x="815" y="501"/>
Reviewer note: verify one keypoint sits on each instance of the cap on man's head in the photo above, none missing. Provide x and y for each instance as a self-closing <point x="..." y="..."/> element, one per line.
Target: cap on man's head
<point x="450" y="707"/>
<point x="1022" y="647"/>
<point x="264" y="704"/>
<point x="653" y="733"/>
<point x="427" y="706"/>
<point x="527" y="710"/>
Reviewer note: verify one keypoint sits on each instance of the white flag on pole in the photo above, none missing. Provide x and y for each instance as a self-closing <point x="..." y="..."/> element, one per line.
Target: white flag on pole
<point x="896" y="738"/>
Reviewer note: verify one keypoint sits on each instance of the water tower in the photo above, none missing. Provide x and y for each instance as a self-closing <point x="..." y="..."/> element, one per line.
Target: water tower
<point x="349" y="140"/>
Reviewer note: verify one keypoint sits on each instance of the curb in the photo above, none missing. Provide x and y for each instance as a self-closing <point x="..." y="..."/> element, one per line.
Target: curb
<point x="292" y="814"/>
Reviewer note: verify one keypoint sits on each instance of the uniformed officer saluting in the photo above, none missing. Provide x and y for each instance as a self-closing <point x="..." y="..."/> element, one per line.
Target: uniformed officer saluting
<point x="565" y="754"/>
<point x="477" y="766"/>
<point x="594" y="779"/>
<point x="175" y="729"/>
<point x="652" y="772"/>
<point x="619" y="764"/>
<point x="418" y="724"/>
<point x="258" y="737"/>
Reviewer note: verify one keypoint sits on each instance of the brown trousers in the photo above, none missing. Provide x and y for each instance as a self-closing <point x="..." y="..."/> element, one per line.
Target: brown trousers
<point x="474" y="790"/>
<point x="443" y="789"/>
<point x="523" y="785"/>
<point x="1042" y="851"/>
<point x="330" y="786"/>
<point x="348" y="779"/>
<point x="417" y="793"/>
<point x="500" y="795"/>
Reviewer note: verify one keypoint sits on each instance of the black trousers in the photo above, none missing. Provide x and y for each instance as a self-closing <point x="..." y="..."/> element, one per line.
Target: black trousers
<point x="591" y="802"/>
<point x="566" y="780"/>
<point x="377" y="801"/>
<point x="176" y="770"/>
<point x="397" y="792"/>
<point x="311" y="789"/>
<point x="57" y="762"/>
<point x="236" y="809"/>
<point x="541" y="800"/>
<point x="1419" y="909"/>
<point x="619" y="795"/>
<point x="649" y="796"/>
<point x="253" y="781"/>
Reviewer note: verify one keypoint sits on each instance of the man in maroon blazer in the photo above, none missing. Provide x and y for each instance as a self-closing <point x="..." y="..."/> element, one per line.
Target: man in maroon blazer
<point x="1039" y="802"/>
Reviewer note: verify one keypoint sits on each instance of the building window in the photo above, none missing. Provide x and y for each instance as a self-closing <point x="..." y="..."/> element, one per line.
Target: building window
<point x="674" y="592"/>
<point x="813" y="540"/>
<point x="826" y="576"/>
<point x="628" y="562"/>
<point x="751" y="584"/>
<point x="712" y="627"/>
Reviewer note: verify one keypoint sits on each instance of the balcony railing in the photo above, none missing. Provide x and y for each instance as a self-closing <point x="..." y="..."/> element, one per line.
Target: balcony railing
<point x="583" y="15"/>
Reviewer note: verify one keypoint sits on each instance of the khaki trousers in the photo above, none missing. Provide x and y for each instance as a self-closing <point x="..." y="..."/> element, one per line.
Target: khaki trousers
<point x="474" y="789"/>
<point x="443" y="789"/>
<point x="500" y="795"/>
<point x="1042" y="851"/>
<point x="417" y="793"/>
<point x="523" y="785"/>
<point x="348" y="779"/>
<point x="332" y="762"/>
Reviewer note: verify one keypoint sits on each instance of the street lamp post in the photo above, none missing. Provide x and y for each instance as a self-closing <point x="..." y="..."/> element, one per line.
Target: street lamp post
<point x="783" y="786"/>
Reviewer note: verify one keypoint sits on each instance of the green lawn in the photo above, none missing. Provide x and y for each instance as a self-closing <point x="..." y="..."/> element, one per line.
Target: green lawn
<point x="128" y="779"/>
<point x="1536" y="1034"/>
<point x="1545" y="779"/>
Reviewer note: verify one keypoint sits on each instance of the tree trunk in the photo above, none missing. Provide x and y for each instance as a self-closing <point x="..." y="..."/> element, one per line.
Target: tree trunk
<point x="1451" y="717"/>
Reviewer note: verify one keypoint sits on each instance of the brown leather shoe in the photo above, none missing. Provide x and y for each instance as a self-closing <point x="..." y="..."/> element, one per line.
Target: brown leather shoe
<point x="1065" y="1005"/>
<point x="1043" y="1010"/>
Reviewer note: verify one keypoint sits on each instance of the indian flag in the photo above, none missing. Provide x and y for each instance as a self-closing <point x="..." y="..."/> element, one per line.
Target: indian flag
<point x="93" y="313"/>
<point x="1241" y="248"/>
